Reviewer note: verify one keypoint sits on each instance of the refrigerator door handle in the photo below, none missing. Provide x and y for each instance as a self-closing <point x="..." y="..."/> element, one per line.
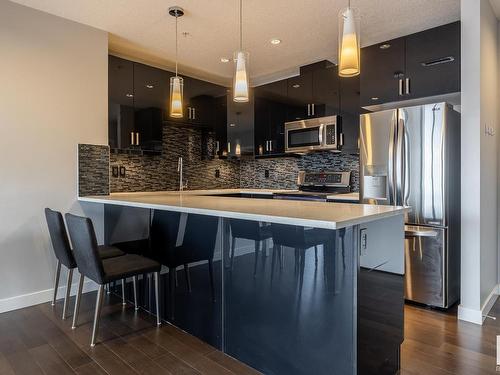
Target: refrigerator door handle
<point x="399" y="161"/>
<point x="406" y="166"/>
<point x="390" y="164"/>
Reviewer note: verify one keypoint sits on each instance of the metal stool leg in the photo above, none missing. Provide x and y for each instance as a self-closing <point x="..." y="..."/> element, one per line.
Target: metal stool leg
<point x="68" y="291"/>
<point x="256" y="258"/>
<point x="97" y="315"/>
<point x="157" y="296"/>
<point x="134" y="283"/>
<point x="124" y="302"/>
<point x="77" y="301"/>
<point x="188" y="277"/>
<point x="56" y="282"/>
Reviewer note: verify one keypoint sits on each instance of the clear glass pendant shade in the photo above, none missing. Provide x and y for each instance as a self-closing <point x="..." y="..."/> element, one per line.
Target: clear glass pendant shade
<point x="240" y="84"/>
<point x="349" y="43"/>
<point x="176" y="92"/>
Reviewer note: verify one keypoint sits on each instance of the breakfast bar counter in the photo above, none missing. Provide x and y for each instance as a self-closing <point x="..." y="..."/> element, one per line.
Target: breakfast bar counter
<point x="286" y="286"/>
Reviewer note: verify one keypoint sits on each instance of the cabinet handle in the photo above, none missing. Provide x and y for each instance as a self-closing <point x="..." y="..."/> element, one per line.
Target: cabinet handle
<point x="313" y="110"/>
<point x="194" y="113"/>
<point x="400" y="87"/>
<point x="228" y="147"/>
<point x="137" y="139"/>
<point x="271" y="145"/>
<point x="190" y="116"/>
<point x="407" y="86"/>
<point x="216" y="146"/>
<point x="309" y="110"/>
<point x="132" y="138"/>
<point x="341" y="139"/>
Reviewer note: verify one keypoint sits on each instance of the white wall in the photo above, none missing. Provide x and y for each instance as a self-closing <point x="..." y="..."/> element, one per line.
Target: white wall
<point x="53" y="95"/>
<point x="479" y="275"/>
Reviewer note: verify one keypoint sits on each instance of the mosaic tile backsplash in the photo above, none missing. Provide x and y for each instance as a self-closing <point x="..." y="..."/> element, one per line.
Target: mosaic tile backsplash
<point x="283" y="172"/>
<point x="159" y="172"/>
<point x="93" y="170"/>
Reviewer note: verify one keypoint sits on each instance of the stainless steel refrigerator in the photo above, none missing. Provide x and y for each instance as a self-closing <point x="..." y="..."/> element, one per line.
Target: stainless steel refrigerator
<point x="411" y="157"/>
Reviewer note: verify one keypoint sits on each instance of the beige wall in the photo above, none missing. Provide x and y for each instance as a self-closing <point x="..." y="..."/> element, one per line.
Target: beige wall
<point x="53" y="95"/>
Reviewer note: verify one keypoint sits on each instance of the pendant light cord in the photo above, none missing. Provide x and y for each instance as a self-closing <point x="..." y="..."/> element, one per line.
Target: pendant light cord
<point x="241" y="25"/>
<point x="176" y="44"/>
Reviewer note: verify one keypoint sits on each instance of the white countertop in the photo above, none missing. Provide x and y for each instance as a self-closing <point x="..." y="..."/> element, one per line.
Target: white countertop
<point x="206" y="202"/>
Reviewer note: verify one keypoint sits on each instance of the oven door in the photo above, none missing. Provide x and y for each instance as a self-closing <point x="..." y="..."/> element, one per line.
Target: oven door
<point x="303" y="138"/>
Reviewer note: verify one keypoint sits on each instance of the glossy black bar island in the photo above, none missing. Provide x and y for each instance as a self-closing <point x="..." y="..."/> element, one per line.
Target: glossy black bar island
<point x="318" y="296"/>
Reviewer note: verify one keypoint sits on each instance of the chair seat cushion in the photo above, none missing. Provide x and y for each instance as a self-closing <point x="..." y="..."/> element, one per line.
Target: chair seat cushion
<point x="140" y="247"/>
<point x="109" y="252"/>
<point x="314" y="237"/>
<point x="128" y="265"/>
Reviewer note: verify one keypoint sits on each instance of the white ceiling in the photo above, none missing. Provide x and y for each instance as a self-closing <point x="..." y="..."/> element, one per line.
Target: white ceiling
<point x="308" y="29"/>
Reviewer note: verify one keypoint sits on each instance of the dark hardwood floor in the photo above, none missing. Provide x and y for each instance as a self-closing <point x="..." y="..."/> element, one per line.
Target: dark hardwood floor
<point x="36" y="341"/>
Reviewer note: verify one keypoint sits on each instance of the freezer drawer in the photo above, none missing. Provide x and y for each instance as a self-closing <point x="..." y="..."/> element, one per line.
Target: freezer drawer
<point x="426" y="265"/>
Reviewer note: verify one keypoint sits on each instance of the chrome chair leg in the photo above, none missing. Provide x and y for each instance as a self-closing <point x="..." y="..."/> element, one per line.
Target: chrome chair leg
<point x="134" y="283"/>
<point x="123" y="293"/>
<point x="157" y="296"/>
<point x="77" y="301"/>
<point x="68" y="291"/>
<point x="56" y="282"/>
<point x="188" y="277"/>
<point x="97" y="315"/>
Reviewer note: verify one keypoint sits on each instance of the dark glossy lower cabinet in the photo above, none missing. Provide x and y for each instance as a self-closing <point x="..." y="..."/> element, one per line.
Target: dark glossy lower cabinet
<point x="298" y="302"/>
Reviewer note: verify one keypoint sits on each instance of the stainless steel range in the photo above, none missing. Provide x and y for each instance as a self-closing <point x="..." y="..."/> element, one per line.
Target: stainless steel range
<point x="317" y="186"/>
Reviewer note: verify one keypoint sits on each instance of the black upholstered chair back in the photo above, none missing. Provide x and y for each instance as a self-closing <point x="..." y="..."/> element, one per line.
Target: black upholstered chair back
<point x="163" y="237"/>
<point x="245" y="229"/>
<point x="59" y="238"/>
<point x="199" y="237"/>
<point x="85" y="247"/>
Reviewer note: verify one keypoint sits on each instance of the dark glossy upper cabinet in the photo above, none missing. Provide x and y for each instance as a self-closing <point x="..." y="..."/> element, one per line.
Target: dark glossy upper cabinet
<point x="300" y="97"/>
<point x="199" y="101"/>
<point x="220" y="126"/>
<point x="270" y="117"/>
<point x="121" y="124"/>
<point x="382" y="72"/>
<point x="433" y="61"/>
<point x="151" y="96"/>
<point x="240" y="129"/>
<point x="415" y="66"/>
<point x="325" y="87"/>
<point x="349" y="112"/>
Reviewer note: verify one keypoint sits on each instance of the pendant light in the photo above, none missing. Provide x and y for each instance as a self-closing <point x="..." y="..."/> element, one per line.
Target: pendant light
<point x="349" y="46"/>
<point x="240" y="83"/>
<point x="176" y="83"/>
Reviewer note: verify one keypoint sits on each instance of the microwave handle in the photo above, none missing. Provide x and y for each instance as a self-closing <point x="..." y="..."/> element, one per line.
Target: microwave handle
<point x="322" y="129"/>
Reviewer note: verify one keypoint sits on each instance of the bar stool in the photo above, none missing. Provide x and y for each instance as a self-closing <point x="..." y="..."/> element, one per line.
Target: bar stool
<point x="250" y="230"/>
<point x="101" y="271"/>
<point x="64" y="254"/>
<point x="198" y="245"/>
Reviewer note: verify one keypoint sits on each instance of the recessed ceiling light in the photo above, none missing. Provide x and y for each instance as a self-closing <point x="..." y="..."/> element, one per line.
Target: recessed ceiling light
<point x="130" y="95"/>
<point x="375" y="98"/>
<point x="232" y="125"/>
<point x="275" y="41"/>
<point x="296" y="86"/>
<point x="385" y="46"/>
<point x="224" y="59"/>
<point x="149" y="86"/>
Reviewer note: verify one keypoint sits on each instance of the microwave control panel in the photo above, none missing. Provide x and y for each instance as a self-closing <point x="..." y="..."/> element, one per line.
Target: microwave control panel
<point x="331" y="134"/>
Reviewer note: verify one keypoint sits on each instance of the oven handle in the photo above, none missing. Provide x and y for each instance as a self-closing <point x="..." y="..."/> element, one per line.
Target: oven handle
<point x="321" y="136"/>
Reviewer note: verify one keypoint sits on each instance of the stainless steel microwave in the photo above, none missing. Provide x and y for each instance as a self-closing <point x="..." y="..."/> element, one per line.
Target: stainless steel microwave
<point x="313" y="134"/>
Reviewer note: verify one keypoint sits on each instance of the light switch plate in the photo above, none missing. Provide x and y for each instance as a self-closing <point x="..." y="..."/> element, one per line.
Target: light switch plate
<point x="363" y="241"/>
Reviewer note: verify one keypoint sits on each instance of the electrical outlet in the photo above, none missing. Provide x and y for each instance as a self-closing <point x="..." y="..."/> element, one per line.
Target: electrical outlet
<point x="266" y="173"/>
<point x="217" y="173"/>
<point x="363" y="241"/>
<point x="122" y="171"/>
<point x="114" y="171"/>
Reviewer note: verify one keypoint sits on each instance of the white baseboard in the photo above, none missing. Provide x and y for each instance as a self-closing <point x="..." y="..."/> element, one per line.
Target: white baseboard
<point x="478" y="316"/>
<point x="42" y="296"/>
